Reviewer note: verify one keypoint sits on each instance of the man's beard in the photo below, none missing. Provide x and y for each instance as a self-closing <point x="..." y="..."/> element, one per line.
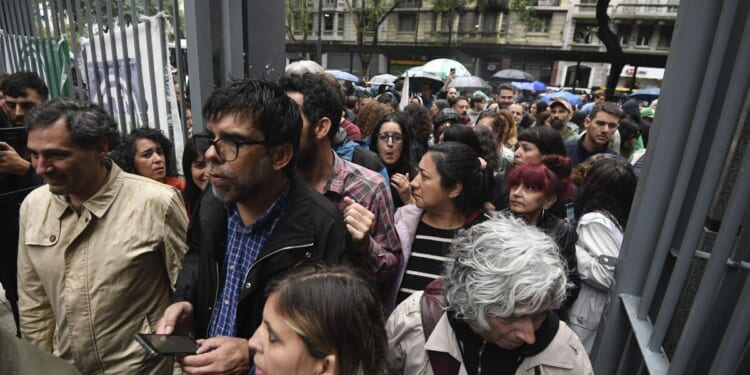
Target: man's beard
<point x="242" y="188"/>
<point x="306" y="157"/>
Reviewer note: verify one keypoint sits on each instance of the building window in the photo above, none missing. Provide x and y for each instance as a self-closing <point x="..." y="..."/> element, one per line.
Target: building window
<point x="540" y="23"/>
<point x="330" y="3"/>
<point x="309" y="25"/>
<point x="665" y="38"/>
<point x="644" y="35"/>
<point x="327" y="22"/>
<point x="468" y="22"/>
<point x="623" y="33"/>
<point x="340" y="24"/>
<point x="585" y="34"/>
<point x="441" y="22"/>
<point x="505" y="23"/>
<point x="489" y="23"/>
<point x="407" y="22"/>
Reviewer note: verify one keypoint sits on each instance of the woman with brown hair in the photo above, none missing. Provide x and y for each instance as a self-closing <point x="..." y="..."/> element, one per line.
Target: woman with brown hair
<point x="320" y="319"/>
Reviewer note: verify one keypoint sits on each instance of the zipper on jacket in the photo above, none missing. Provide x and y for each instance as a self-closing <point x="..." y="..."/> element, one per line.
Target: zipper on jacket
<point x="274" y="253"/>
<point x="216" y="298"/>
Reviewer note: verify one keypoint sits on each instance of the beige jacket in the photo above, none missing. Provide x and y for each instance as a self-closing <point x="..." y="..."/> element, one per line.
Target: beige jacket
<point x="407" y="349"/>
<point x="88" y="283"/>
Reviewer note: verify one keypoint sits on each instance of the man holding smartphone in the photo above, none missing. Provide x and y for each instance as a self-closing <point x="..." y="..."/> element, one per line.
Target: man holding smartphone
<point x="257" y="219"/>
<point x="19" y="90"/>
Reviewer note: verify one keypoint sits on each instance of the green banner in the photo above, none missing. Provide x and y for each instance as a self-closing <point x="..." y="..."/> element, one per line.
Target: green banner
<point x="48" y="57"/>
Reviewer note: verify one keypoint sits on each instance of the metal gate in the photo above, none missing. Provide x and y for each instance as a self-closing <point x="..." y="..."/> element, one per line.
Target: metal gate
<point x="681" y="302"/>
<point x="96" y="50"/>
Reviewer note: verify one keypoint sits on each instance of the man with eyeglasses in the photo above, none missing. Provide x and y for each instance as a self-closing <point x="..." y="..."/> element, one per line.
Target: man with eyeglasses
<point x="601" y="124"/>
<point x="257" y="219"/>
<point x="361" y="195"/>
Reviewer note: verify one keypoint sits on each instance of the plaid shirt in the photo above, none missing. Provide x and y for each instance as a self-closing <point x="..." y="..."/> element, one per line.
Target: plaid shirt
<point x="369" y="189"/>
<point x="243" y="246"/>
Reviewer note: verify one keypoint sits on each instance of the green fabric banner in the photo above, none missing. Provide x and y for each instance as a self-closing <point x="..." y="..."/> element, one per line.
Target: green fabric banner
<point x="48" y="57"/>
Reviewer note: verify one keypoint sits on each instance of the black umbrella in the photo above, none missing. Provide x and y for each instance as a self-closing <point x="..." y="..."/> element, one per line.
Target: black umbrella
<point x="513" y="75"/>
<point x="470" y="83"/>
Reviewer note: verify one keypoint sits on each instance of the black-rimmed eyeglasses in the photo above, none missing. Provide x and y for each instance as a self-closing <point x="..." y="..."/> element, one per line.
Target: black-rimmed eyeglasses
<point x="227" y="149"/>
<point x="396" y="137"/>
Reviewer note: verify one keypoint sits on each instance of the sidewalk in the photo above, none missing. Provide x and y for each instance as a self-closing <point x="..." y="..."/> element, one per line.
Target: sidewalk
<point x="6" y="316"/>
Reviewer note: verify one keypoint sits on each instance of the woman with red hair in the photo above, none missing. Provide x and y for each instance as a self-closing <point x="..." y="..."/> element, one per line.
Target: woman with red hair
<point x="533" y="189"/>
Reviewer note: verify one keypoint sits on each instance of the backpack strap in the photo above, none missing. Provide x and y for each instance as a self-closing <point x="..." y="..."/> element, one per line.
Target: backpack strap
<point x="431" y="307"/>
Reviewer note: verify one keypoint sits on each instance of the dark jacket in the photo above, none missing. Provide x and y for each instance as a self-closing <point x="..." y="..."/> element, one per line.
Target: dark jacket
<point x="565" y="237"/>
<point x="632" y="108"/>
<point x="310" y="228"/>
<point x="577" y="153"/>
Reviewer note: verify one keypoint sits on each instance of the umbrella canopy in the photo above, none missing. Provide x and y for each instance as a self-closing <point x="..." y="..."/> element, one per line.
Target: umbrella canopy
<point x="573" y="99"/>
<point x="469" y="83"/>
<point x="383" y="79"/>
<point x="418" y="77"/>
<point x="538" y="86"/>
<point x="442" y="67"/>
<point x="648" y="94"/>
<point x="530" y="86"/>
<point x="513" y="75"/>
<point x="344" y="76"/>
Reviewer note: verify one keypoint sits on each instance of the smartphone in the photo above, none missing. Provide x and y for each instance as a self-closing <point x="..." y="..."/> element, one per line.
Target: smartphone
<point x="166" y="345"/>
<point x="570" y="210"/>
<point x="453" y="70"/>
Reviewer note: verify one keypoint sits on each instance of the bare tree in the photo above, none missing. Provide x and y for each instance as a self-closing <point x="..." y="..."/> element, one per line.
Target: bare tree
<point x="612" y="43"/>
<point x="367" y="16"/>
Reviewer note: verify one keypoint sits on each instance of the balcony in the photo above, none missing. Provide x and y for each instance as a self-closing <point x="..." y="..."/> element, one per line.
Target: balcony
<point x="548" y="3"/>
<point x="645" y="11"/>
<point x="409" y="4"/>
<point x="584" y="10"/>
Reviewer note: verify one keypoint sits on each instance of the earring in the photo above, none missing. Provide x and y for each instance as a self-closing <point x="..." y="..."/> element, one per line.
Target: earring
<point x="543" y="212"/>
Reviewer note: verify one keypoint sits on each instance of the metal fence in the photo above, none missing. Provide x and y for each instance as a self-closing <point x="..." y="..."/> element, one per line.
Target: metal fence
<point x="113" y="53"/>
<point x="681" y="301"/>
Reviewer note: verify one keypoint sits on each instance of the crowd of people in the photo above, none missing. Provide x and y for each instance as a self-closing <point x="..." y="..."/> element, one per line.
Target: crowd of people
<point x="316" y="232"/>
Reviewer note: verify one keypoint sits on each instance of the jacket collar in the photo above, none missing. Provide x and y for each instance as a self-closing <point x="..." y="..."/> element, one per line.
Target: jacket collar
<point x="558" y="352"/>
<point x="444" y="340"/>
<point x="337" y="182"/>
<point x="100" y="202"/>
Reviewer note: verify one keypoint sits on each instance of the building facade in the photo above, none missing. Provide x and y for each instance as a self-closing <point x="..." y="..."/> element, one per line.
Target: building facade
<point x="548" y="39"/>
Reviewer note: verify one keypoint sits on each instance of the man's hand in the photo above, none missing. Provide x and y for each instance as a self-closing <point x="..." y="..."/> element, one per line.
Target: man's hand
<point x="11" y="162"/>
<point x="218" y="355"/>
<point x="359" y="222"/>
<point x="177" y="319"/>
<point x="401" y="183"/>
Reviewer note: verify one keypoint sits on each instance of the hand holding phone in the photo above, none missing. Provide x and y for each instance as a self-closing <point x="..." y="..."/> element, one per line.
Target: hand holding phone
<point x="166" y="345"/>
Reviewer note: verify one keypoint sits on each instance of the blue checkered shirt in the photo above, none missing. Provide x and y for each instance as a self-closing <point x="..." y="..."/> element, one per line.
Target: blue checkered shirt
<point x="243" y="246"/>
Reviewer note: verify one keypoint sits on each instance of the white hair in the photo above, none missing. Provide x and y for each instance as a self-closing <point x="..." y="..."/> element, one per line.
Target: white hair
<point x="503" y="268"/>
<point x="303" y="66"/>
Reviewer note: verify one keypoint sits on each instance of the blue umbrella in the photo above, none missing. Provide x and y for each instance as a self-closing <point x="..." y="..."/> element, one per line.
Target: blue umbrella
<point x="573" y="99"/>
<point x="648" y="94"/>
<point x="344" y="76"/>
<point x="538" y="86"/>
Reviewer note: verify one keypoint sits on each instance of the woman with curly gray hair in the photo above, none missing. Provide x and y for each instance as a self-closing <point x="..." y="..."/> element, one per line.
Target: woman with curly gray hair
<point x="491" y="313"/>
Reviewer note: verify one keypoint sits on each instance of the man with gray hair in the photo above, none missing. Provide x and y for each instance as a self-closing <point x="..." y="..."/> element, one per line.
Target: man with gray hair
<point x="99" y="249"/>
<point x="492" y="311"/>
